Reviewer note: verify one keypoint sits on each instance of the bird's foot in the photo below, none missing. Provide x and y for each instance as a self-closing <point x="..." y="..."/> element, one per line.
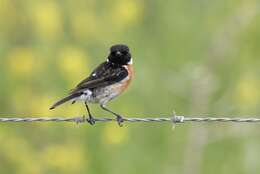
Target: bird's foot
<point x="91" y="120"/>
<point x="120" y="120"/>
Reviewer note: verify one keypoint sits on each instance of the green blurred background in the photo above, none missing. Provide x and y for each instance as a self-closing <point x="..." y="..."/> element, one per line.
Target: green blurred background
<point x="195" y="57"/>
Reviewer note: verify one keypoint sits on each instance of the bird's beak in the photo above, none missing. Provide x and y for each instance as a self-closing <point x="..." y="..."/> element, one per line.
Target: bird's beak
<point x="118" y="53"/>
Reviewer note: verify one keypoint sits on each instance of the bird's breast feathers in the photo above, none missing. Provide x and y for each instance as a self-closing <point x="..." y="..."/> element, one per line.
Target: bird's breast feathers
<point x="104" y="94"/>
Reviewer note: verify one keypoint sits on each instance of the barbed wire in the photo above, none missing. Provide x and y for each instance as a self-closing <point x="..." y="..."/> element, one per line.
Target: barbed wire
<point x="174" y="119"/>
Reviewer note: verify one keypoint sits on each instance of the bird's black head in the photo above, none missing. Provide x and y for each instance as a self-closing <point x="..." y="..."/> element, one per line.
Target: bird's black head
<point x="120" y="55"/>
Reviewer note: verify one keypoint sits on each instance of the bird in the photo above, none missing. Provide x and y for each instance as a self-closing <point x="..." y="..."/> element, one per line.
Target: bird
<point x="107" y="81"/>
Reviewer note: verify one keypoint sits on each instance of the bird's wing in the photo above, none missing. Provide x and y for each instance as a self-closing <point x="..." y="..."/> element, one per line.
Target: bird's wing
<point x="105" y="74"/>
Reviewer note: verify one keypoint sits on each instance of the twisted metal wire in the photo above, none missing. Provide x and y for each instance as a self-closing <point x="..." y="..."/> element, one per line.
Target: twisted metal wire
<point x="174" y="119"/>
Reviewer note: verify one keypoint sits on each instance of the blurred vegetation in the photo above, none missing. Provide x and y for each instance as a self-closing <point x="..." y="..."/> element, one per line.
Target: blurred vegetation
<point x="196" y="57"/>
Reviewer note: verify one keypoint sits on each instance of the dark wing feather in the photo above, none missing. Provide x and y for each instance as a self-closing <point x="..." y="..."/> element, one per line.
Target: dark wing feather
<point x="104" y="75"/>
<point x="99" y="71"/>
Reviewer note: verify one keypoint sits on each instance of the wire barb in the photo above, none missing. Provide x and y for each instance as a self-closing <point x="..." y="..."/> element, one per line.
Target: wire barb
<point x="175" y="119"/>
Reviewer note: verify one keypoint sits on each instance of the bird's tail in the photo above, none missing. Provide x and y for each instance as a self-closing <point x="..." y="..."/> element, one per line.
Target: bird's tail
<point x="65" y="99"/>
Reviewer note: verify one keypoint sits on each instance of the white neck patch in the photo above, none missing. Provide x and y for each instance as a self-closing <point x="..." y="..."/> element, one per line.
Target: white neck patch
<point x="130" y="62"/>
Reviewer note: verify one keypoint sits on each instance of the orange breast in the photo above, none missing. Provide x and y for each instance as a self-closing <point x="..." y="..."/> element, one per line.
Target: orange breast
<point x="126" y="82"/>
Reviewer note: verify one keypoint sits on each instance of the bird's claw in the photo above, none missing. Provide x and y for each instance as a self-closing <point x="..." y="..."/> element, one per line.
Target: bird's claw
<point x="91" y="120"/>
<point x="120" y="120"/>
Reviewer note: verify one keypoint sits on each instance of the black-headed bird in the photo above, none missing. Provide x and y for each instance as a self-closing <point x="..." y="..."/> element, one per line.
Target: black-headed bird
<point x="106" y="82"/>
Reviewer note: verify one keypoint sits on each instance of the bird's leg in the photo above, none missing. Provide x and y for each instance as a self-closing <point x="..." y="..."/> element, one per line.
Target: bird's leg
<point x="119" y="118"/>
<point x="90" y="119"/>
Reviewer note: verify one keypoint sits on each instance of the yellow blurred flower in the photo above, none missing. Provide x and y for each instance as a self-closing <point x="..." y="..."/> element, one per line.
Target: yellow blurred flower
<point x="5" y="4"/>
<point x="113" y="134"/>
<point x="247" y="91"/>
<point x="7" y="12"/>
<point x="84" y="23"/>
<point x="19" y="152"/>
<point x="47" y="19"/>
<point x="73" y="64"/>
<point x="126" y="12"/>
<point x="67" y="158"/>
<point x="22" y="62"/>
